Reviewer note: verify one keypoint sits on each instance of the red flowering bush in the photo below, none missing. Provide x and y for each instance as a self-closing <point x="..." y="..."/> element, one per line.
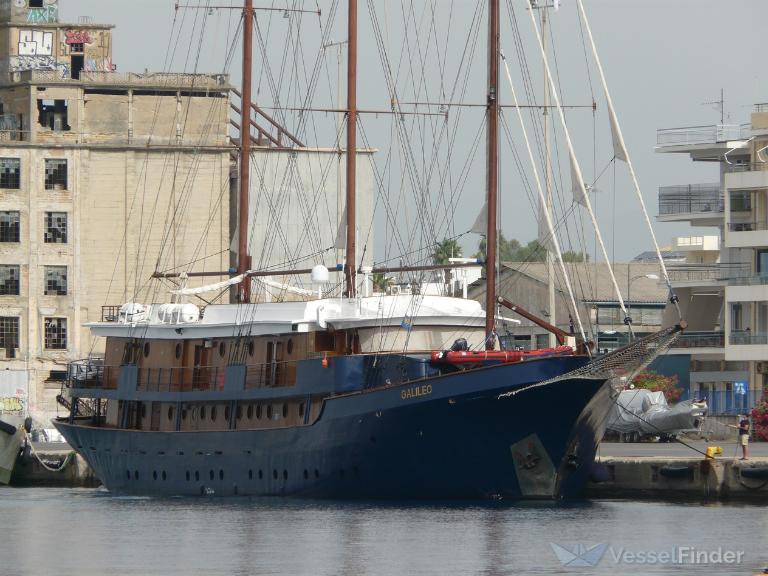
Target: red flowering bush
<point x="760" y="420"/>
<point x="654" y="382"/>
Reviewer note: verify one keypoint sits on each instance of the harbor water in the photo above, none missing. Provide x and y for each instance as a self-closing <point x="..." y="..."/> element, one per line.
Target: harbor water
<point x="84" y="532"/>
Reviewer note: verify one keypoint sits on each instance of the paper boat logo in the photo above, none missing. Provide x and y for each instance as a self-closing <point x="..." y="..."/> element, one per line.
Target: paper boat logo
<point x="579" y="555"/>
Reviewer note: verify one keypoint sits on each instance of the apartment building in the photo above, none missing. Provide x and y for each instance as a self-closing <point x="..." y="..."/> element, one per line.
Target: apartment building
<point x="723" y="284"/>
<point x="96" y="167"/>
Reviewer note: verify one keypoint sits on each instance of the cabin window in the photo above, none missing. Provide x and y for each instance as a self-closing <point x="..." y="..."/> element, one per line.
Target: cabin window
<point x="202" y="412"/>
<point x="184" y="414"/>
<point x="211" y="475"/>
<point x="9" y="279"/>
<point x="285" y="410"/>
<point x="250" y="412"/>
<point x="324" y="342"/>
<point x="226" y="413"/>
<point x="55" y="333"/>
<point x="10" y="173"/>
<point x="146" y="349"/>
<point x="251" y="348"/>
<point x="269" y="412"/>
<point x="9" y="226"/>
<point x="213" y="414"/>
<point x="197" y="475"/>
<point x="55" y="280"/>
<point x="222" y="349"/>
<point x="55" y="174"/>
<point x="170" y="413"/>
<point x="301" y="410"/>
<point x="289" y="346"/>
<point x="178" y="350"/>
<point x="258" y="411"/>
<point x="55" y="228"/>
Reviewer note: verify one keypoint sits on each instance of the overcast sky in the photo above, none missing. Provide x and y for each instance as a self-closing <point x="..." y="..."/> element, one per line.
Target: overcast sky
<point x="664" y="59"/>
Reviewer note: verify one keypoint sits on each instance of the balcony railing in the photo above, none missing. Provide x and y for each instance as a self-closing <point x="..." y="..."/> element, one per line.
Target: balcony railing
<point x="187" y="379"/>
<point x="748" y="226"/>
<point x="91" y="373"/>
<point x="155" y="79"/>
<point x="746" y="167"/>
<point x="748" y="337"/>
<point x="761" y="107"/>
<point x="708" y="272"/>
<point x="700" y="340"/>
<point x="691" y="198"/>
<point x="702" y="134"/>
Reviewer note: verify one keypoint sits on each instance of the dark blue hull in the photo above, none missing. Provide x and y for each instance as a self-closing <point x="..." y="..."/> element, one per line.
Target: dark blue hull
<point x="448" y="437"/>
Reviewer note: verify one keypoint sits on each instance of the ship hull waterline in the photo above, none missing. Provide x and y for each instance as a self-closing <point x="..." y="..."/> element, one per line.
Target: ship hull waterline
<point x="438" y="443"/>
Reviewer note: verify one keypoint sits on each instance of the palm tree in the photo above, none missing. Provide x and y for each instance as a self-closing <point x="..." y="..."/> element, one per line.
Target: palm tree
<point x="446" y="249"/>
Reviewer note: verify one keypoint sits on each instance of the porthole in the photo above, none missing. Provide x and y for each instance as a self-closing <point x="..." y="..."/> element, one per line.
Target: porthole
<point x="202" y="412"/>
<point x="135" y="474"/>
<point x="234" y="489"/>
<point x="178" y="350"/>
<point x="317" y="473"/>
<point x="146" y="349"/>
<point x="261" y="474"/>
<point x="128" y="474"/>
<point x="269" y="412"/>
<point x="306" y="474"/>
<point x="285" y="474"/>
<point x="341" y="473"/>
<point x="170" y="413"/>
<point x="221" y="474"/>
<point x="197" y="475"/>
<point x="274" y="474"/>
<point x="249" y="412"/>
<point x="187" y="475"/>
<point x="258" y="411"/>
<point x="226" y="413"/>
<point x="164" y="476"/>
<point x="154" y="475"/>
<point x="250" y="474"/>
<point x="212" y="475"/>
<point x="213" y="414"/>
<point x="222" y="349"/>
<point x="285" y="410"/>
<point x="289" y="346"/>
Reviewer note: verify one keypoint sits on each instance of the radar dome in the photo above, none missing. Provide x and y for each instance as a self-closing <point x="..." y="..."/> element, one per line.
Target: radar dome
<point x="320" y="274"/>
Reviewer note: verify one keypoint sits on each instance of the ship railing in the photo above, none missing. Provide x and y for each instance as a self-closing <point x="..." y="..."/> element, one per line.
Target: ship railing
<point x="182" y="379"/>
<point x="270" y="375"/>
<point x="91" y="373"/>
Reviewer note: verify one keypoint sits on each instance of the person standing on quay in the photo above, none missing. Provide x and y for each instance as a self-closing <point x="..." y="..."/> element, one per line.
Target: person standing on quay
<point x="744" y="437"/>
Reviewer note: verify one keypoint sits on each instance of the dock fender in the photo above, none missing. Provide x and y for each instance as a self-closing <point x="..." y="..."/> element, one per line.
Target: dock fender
<point x="758" y="472"/>
<point x="599" y="473"/>
<point x="671" y="471"/>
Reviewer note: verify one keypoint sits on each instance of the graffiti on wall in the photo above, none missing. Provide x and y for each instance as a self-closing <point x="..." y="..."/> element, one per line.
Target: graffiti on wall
<point x="45" y="15"/>
<point x="11" y="405"/>
<point x="24" y="63"/>
<point x="35" y="43"/>
<point x="99" y="65"/>
<point x="77" y="37"/>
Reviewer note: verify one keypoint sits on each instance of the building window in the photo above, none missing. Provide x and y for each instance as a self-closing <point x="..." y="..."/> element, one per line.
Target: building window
<point x="35" y="3"/>
<point x="55" y="227"/>
<point x="55" y="174"/>
<point x="55" y="280"/>
<point x="77" y="48"/>
<point x="9" y="335"/>
<point x="56" y="333"/>
<point x="10" y="173"/>
<point x="53" y="115"/>
<point x="9" y="226"/>
<point x="9" y="280"/>
<point x="542" y="341"/>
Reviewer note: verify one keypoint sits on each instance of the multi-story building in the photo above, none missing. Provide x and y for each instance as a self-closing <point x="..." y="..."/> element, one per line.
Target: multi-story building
<point x="722" y="285"/>
<point x="96" y="169"/>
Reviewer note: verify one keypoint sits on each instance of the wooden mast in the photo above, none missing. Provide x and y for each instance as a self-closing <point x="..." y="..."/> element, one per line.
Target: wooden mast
<point x="493" y="171"/>
<point x="350" y="268"/>
<point x="243" y="259"/>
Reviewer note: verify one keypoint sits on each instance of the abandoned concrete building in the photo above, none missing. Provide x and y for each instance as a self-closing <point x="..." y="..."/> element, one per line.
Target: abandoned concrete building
<point x="94" y="167"/>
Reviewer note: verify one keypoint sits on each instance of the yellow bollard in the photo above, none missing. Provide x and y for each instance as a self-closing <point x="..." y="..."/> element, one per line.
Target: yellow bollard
<point x="713" y="451"/>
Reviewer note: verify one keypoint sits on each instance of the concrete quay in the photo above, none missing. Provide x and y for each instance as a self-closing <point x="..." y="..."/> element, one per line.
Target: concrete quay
<point x="664" y="471"/>
<point x="52" y="464"/>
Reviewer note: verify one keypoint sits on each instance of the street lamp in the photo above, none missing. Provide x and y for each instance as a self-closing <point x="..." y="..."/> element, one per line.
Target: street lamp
<point x="629" y="297"/>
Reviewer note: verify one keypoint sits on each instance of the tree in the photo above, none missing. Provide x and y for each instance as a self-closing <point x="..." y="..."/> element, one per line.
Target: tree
<point x="655" y="382"/>
<point x="760" y="420"/>
<point x="381" y="281"/>
<point x="513" y="251"/>
<point x="446" y="249"/>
